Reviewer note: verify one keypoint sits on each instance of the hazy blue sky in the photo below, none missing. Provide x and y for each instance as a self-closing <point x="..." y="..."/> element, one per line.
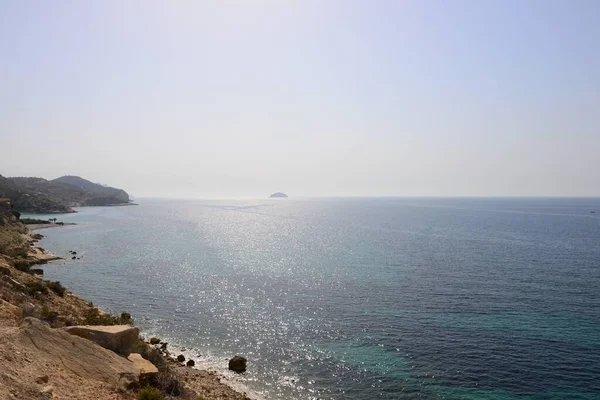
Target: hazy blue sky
<point x="225" y="98"/>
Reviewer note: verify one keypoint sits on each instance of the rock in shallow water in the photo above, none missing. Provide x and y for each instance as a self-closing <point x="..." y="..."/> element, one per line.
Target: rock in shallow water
<point x="237" y="364"/>
<point x="181" y="358"/>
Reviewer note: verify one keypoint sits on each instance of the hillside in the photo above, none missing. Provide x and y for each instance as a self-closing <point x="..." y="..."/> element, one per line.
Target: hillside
<point x="30" y="200"/>
<point x="38" y="195"/>
<point x="12" y="233"/>
<point x="102" y="195"/>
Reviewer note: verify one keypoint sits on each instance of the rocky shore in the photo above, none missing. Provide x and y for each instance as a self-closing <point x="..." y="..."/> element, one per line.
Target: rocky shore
<point x="55" y="345"/>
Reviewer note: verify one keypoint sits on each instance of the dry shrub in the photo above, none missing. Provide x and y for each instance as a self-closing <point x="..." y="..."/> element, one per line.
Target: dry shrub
<point x="150" y="393"/>
<point x="167" y="381"/>
<point x="94" y="316"/>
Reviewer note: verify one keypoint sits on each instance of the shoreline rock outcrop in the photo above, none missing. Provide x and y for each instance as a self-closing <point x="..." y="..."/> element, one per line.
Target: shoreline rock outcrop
<point x="83" y="357"/>
<point x="154" y="340"/>
<point x="119" y="338"/>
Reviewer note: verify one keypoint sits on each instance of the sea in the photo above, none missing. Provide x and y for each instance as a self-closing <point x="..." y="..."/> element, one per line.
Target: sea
<point x="356" y="298"/>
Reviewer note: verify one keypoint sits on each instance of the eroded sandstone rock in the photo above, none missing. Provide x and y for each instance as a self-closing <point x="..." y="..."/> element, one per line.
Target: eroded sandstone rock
<point x="144" y="366"/>
<point x="118" y="338"/>
<point x="89" y="360"/>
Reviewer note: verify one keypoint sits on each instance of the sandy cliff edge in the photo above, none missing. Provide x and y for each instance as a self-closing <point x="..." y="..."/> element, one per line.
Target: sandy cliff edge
<point x="38" y="361"/>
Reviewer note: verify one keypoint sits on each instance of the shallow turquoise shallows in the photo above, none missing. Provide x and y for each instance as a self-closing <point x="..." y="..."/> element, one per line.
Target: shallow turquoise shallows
<point x="378" y="298"/>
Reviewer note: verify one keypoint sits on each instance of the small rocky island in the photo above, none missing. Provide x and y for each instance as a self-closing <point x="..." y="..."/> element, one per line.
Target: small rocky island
<point x="278" y="195"/>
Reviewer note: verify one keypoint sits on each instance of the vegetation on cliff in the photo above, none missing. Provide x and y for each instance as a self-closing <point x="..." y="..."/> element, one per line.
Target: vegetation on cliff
<point x="13" y="240"/>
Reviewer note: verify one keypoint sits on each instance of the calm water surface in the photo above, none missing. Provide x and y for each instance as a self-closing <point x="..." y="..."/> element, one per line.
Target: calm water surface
<point x="391" y="298"/>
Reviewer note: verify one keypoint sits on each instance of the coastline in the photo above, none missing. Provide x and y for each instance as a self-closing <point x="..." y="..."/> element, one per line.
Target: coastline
<point x="35" y="227"/>
<point x="110" y="205"/>
<point x="70" y="309"/>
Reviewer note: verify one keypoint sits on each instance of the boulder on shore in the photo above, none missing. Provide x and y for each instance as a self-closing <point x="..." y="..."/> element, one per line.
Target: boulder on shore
<point x="190" y="363"/>
<point x="118" y="338"/>
<point x="181" y="358"/>
<point x="154" y="340"/>
<point x="237" y="364"/>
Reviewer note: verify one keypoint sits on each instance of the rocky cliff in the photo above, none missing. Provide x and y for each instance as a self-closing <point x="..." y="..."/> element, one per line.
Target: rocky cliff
<point x="42" y="355"/>
<point x="13" y="234"/>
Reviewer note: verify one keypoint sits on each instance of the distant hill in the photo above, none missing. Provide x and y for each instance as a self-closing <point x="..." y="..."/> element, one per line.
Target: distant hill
<point x="38" y="195"/>
<point x="105" y="195"/>
<point x="278" y="195"/>
<point x="26" y="200"/>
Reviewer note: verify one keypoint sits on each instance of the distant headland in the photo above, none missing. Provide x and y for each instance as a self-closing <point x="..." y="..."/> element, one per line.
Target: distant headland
<point x="38" y="195"/>
<point x="279" y="195"/>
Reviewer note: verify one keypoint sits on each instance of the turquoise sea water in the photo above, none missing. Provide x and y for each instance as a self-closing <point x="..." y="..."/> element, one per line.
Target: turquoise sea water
<point x="381" y="298"/>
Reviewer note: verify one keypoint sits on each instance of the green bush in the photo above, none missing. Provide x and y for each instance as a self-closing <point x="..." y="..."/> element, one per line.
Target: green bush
<point x="22" y="265"/>
<point x="36" y="286"/>
<point x="34" y="221"/>
<point x="167" y="381"/>
<point x="93" y="316"/>
<point x="56" y="287"/>
<point x="150" y="393"/>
